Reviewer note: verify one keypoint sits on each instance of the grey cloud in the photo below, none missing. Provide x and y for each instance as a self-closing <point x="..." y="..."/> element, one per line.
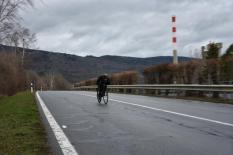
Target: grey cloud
<point x="129" y="27"/>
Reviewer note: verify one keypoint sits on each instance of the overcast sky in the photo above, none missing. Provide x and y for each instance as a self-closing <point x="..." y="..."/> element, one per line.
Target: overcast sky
<point x="139" y="28"/>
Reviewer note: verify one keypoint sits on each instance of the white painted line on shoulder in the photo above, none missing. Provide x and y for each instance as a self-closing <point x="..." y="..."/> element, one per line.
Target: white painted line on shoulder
<point x="167" y="111"/>
<point x="62" y="139"/>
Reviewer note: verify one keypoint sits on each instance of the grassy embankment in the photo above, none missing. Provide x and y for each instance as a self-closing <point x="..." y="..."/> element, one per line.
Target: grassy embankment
<point x="21" y="131"/>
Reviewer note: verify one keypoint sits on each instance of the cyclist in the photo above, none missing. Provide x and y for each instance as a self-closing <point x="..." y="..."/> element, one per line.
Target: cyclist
<point x="102" y="83"/>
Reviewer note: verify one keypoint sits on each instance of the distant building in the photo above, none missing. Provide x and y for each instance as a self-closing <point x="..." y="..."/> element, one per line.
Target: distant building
<point x="204" y="49"/>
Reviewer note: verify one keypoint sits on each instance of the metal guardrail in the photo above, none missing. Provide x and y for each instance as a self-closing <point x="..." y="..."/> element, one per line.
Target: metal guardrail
<point x="181" y="87"/>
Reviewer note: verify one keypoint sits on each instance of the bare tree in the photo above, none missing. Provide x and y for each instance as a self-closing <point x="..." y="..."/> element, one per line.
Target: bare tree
<point x="20" y="36"/>
<point x="26" y="39"/>
<point x="9" y="15"/>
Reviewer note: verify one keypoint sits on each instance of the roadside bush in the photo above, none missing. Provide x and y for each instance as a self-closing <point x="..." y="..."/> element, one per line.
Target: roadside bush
<point x="125" y="78"/>
<point x="60" y="83"/>
<point x="182" y="73"/>
<point x="38" y="81"/>
<point x="49" y="81"/>
<point x="12" y="75"/>
<point x="159" y="74"/>
<point x="226" y="65"/>
<point x="90" y="82"/>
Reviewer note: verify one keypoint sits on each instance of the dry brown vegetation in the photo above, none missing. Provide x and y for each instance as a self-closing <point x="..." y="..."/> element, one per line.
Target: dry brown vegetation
<point x="123" y="78"/>
<point x="182" y="73"/>
<point x="13" y="78"/>
<point x="89" y="82"/>
<point x="48" y="81"/>
<point x="12" y="75"/>
<point x="211" y="71"/>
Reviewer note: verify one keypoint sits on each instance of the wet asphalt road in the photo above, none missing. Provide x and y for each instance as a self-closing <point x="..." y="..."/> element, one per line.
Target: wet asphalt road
<point x="122" y="129"/>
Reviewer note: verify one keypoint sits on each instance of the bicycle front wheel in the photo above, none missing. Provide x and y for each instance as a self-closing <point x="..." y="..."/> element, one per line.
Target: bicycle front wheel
<point x="105" y="97"/>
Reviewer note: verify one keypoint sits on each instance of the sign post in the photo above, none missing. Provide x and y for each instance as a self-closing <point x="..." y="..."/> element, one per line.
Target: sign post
<point x="31" y="87"/>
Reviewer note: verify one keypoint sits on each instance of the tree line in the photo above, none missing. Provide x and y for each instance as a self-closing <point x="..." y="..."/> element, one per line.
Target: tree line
<point x="213" y="69"/>
<point x="210" y="70"/>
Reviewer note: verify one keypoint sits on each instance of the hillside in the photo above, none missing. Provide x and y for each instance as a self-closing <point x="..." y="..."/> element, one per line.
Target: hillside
<point x="76" y="68"/>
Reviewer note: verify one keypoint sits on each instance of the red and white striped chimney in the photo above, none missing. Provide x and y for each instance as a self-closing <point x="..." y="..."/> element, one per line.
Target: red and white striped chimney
<point x="174" y="40"/>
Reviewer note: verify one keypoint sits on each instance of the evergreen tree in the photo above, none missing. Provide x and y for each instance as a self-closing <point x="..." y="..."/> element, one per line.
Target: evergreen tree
<point x="227" y="65"/>
<point x="213" y="51"/>
<point x="229" y="51"/>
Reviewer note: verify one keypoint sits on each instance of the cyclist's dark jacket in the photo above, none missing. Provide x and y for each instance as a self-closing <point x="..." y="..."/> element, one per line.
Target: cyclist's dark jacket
<point x="103" y="79"/>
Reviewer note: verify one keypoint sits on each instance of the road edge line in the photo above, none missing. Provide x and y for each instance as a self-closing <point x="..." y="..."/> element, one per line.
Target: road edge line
<point x="64" y="143"/>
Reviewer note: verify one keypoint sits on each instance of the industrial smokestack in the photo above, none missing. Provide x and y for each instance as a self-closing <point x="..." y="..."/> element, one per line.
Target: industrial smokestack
<point x="174" y="40"/>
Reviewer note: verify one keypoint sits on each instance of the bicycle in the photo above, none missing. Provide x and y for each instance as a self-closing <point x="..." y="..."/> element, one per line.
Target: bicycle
<point x="102" y="95"/>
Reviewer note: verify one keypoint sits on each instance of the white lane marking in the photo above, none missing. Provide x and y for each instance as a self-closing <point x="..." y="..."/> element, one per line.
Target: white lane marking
<point x="63" y="141"/>
<point x="167" y="111"/>
<point x="64" y="126"/>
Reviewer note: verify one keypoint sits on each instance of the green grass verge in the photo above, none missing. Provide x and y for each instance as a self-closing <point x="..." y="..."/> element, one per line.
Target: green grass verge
<point x="21" y="130"/>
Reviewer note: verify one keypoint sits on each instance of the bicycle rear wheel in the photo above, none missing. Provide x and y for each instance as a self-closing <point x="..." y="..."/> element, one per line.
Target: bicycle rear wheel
<point x="105" y="97"/>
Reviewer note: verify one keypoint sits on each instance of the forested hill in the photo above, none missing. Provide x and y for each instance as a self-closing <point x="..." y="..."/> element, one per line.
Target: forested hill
<point x="75" y="68"/>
